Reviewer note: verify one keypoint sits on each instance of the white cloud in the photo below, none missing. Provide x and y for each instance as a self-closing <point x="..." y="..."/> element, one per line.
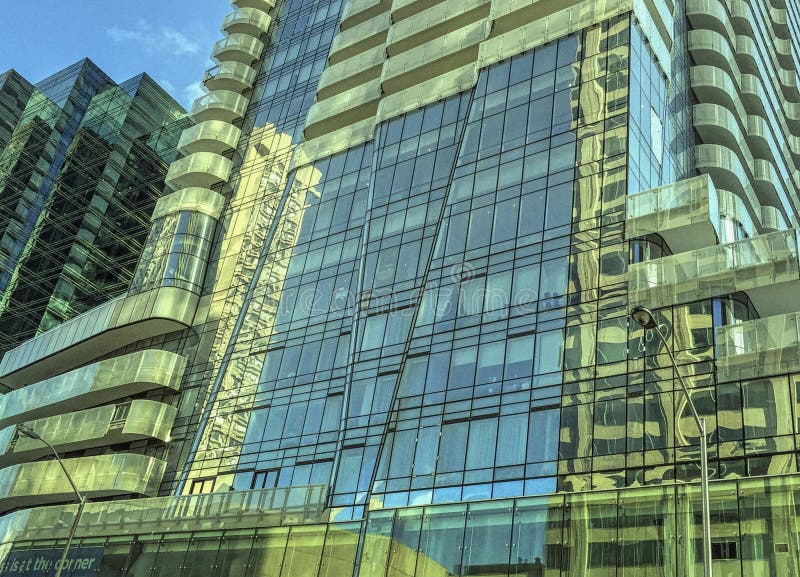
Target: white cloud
<point x="155" y="40"/>
<point x="192" y="91"/>
<point x="166" y="85"/>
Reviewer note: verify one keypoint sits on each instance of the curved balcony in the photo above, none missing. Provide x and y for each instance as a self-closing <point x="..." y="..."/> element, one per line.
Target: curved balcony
<point x="99" y="476"/>
<point x="359" y="11"/>
<point x="247" y="21"/>
<point x="104" y="329"/>
<point x="91" y="428"/>
<point x="210" y="136"/>
<point x="202" y="169"/>
<point x="765" y="267"/>
<point x="238" y="48"/>
<point x="684" y="213"/>
<point x="192" y="199"/>
<point x="95" y="384"/>
<point x="758" y="348"/>
<point x="434" y="22"/>
<point x="344" y="109"/>
<point x="221" y="105"/>
<point x="263" y="5"/>
<point x="433" y="58"/>
<point x="233" y="76"/>
<point x="772" y="219"/>
<point x="361" y="38"/>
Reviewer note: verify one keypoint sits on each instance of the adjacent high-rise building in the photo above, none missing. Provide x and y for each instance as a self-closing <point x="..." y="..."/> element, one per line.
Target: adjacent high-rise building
<point x="82" y="163"/>
<point x="380" y="325"/>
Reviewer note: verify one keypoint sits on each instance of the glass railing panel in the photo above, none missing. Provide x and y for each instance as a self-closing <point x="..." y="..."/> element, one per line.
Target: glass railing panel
<point x="31" y="484"/>
<point x="716" y="271"/>
<point x="759" y="347"/>
<point x="231" y="102"/>
<point x="93" y="384"/>
<point x="674" y="206"/>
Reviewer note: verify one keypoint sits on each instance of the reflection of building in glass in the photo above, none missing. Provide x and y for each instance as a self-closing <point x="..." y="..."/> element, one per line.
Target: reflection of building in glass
<point x="83" y="161"/>
<point x="380" y="320"/>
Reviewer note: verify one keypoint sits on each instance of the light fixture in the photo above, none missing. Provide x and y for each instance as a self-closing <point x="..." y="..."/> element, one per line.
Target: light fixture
<point x="644" y="317"/>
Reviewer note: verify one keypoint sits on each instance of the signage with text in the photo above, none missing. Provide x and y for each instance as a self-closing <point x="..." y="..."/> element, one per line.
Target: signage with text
<point x="80" y="562"/>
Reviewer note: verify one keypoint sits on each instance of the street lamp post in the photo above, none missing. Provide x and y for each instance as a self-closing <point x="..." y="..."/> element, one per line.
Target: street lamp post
<point x="25" y="431"/>
<point x="644" y="317"/>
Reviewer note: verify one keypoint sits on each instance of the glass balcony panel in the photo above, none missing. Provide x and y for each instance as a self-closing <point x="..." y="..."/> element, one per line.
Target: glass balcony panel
<point x="765" y="267"/>
<point x="684" y="213"/>
<point x="229" y="509"/>
<point x="214" y="136"/>
<point x="237" y="47"/>
<point x="434" y="58"/>
<point x="219" y="105"/>
<point x="90" y="428"/>
<point x="263" y="5"/>
<point x="95" y="384"/>
<point x="229" y="75"/>
<point x="361" y="38"/>
<point x="202" y="169"/>
<point x="247" y="21"/>
<point x="759" y="347"/>
<point x="192" y="199"/>
<point x="358" y="11"/>
<point x="43" y="482"/>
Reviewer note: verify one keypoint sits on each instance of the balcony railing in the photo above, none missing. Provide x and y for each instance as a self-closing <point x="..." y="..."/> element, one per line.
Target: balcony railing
<point x="765" y="267"/>
<point x="759" y="347"/>
<point x="92" y="385"/>
<point x="210" y="511"/>
<point x="214" y="136"/>
<point x="219" y="105"/>
<point x="247" y="21"/>
<point x="90" y="428"/>
<point x="43" y="482"/>
<point x="201" y="169"/>
<point x="684" y="213"/>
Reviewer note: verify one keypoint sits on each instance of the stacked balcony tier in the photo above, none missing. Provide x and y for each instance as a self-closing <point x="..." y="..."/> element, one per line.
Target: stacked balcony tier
<point x="765" y="267"/>
<point x="116" y="324"/>
<point x="97" y="427"/>
<point x="98" y="476"/>
<point x="101" y="382"/>
<point x="685" y="214"/>
<point x="219" y="105"/>
<point x="758" y="348"/>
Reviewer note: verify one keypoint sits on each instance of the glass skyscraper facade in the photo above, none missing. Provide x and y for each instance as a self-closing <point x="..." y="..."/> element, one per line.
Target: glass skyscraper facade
<point x="82" y="163"/>
<point x="380" y="325"/>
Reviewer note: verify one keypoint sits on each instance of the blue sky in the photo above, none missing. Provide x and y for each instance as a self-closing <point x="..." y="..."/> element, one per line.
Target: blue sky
<point x="169" y="39"/>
